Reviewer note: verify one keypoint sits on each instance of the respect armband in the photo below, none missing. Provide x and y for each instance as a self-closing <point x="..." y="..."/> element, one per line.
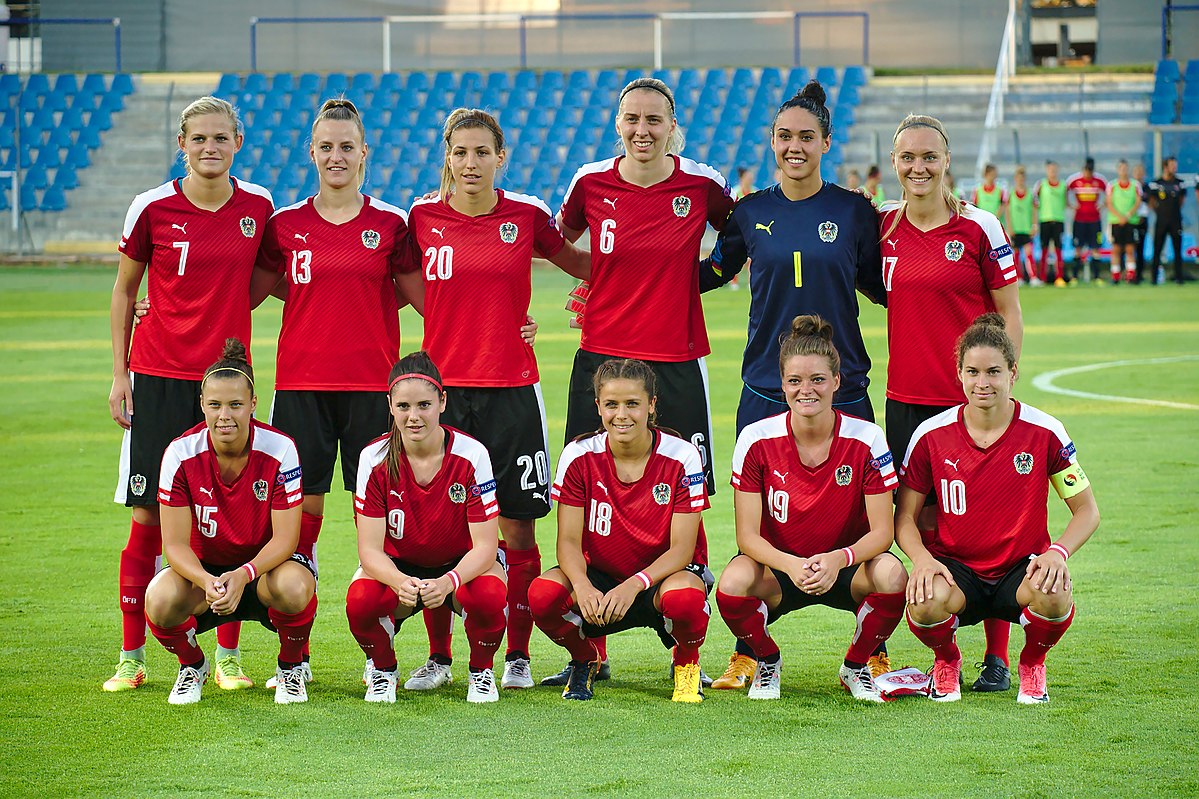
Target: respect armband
<point x="1070" y="481"/>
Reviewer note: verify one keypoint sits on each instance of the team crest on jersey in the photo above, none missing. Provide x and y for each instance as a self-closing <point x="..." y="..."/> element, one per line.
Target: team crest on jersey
<point x="508" y="232"/>
<point x="137" y="484"/>
<point x="844" y="474"/>
<point x="681" y="206"/>
<point x="954" y="250"/>
<point x="1023" y="461"/>
<point x="827" y="231"/>
<point x="248" y="226"/>
<point x="662" y="493"/>
<point x="370" y="239"/>
<point x="260" y="487"/>
<point x="457" y="493"/>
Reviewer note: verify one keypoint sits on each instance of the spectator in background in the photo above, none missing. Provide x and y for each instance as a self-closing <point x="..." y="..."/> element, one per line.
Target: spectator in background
<point x="853" y="181"/>
<point x="1085" y="193"/>
<point x="874" y="185"/>
<point x="1021" y="225"/>
<point x="1049" y="198"/>
<point x="1123" y="200"/>
<point x="989" y="195"/>
<point x="1141" y="228"/>
<point x="1166" y="196"/>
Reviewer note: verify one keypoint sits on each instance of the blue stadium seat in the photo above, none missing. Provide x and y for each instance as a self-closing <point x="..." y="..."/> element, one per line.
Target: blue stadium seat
<point x="255" y="83"/>
<point x="66" y="84"/>
<point x="47" y="158"/>
<point x="66" y="177"/>
<point x="56" y="100"/>
<point x="743" y="79"/>
<point x="716" y="79"/>
<point x="42" y="120"/>
<point x="101" y="119"/>
<point x="36" y="177"/>
<point x="38" y="84"/>
<point x="7" y="138"/>
<point x="10" y="84"/>
<point x="827" y="76"/>
<point x="113" y="101"/>
<point x="29" y="101"/>
<point x="525" y="80"/>
<point x="4" y="206"/>
<point x="796" y="80"/>
<point x="607" y="79"/>
<point x="418" y="82"/>
<point x="855" y="75"/>
<point x="336" y="84"/>
<point x="72" y="119"/>
<point x="29" y="199"/>
<point x="362" y="82"/>
<point x="848" y="95"/>
<point x="553" y="79"/>
<point x="1167" y="69"/>
<point x="283" y="83"/>
<point x="54" y="199"/>
<point x="1162" y="113"/>
<point x="78" y="156"/>
<point x="228" y="86"/>
<point x="89" y="137"/>
<point x="630" y="75"/>
<point x="122" y="83"/>
<point x="443" y="83"/>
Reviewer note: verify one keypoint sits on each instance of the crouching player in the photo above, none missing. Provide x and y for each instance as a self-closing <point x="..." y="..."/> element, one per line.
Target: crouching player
<point x="814" y="520"/>
<point x="631" y="549"/>
<point x="230" y="497"/>
<point x="991" y="461"/>
<point x="428" y="533"/>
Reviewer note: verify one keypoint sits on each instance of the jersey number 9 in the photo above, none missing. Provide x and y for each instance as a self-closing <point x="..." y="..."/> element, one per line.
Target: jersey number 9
<point x="395" y="523"/>
<point x="778" y="505"/>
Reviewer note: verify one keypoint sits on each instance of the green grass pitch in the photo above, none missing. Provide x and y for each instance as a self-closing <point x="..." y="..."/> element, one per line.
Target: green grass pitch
<point x="1121" y="723"/>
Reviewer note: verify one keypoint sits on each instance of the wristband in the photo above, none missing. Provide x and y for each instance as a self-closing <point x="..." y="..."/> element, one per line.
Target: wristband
<point x="454" y="578"/>
<point x="250" y="570"/>
<point x="1061" y="550"/>
<point x="849" y="556"/>
<point x="644" y="578"/>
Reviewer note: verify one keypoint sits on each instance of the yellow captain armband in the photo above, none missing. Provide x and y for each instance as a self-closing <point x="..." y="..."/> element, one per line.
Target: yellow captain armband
<point x="1070" y="481"/>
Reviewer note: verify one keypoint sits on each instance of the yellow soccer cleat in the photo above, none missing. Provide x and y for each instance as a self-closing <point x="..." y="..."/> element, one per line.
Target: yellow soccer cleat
<point x="229" y="676"/>
<point x="686" y="684"/>
<point x="879" y="665"/>
<point x="130" y="674"/>
<point x="738" y="674"/>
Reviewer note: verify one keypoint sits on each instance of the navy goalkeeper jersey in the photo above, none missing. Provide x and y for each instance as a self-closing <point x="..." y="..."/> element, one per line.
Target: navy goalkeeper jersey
<point x="808" y="257"/>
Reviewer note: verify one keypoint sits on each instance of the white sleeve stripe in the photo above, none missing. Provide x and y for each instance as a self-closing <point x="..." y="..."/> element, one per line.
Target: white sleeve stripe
<point x="942" y="419"/>
<point x="254" y="188"/>
<point x="375" y="202"/>
<point x="291" y="207"/>
<point x="529" y="199"/>
<point x="141" y="202"/>
<point x="703" y="170"/>
<point x="1039" y="418"/>
<point x="587" y="169"/>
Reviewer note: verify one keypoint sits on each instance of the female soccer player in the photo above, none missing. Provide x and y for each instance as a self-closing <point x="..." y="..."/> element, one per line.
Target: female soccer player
<point x="1021" y="225"/>
<point x="427" y="532"/>
<point x="230" y="509"/>
<point x="195" y="239"/>
<point x="1049" y="198"/>
<point x="991" y="461"/>
<point x="944" y="263"/>
<point x="814" y="519"/>
<point x="1123" y="203"/>
<point x="874" y="185"/>
<point x="989" y="195"/>
<point x="631" y="548"/>
<point x="474" y="241"/>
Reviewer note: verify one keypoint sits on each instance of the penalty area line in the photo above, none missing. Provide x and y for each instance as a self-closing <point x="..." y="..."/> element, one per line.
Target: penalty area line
<point x="1045" y="382"/>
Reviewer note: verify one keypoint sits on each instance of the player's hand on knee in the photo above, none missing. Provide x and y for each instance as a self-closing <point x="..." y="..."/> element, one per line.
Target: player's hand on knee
<point x="618" y="601"/>
<point x="1048" y="573"/>
<point x="408" y="590"/>
<point x="921" y="582"/>
<point x="590" y="604"/>
<point x="822" y="573"/>
<point x="234" y="584"/>
<point x="433" y="593"/>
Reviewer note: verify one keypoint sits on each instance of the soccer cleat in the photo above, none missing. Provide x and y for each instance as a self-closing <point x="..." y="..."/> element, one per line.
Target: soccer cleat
<point x="768" y="677"/>
<point x="738" y="674"/>
<point x="687" y="686"/>
<point x="273" y="682"/>
<point x="482" y="687"/>
<point x="879" y="664"/>
<point x="946" y="685"/>
<point x="382" y="687"/>
<point x="1033" y="690"/>
<point x="516" y="674"/>
<point x="130" y="674"/>
<point x="561" y="678"/>
<point x="580" y="680"/>
<point x="290" y="686"/>
<point x="230" y="677"/>
<point x="367" y="671"/>
<point x="995" y="675"/>
<point x="189" y="684"/>
<point x="860" y="683"/>
<point x="1035" y="282"/>
<point x="1060" y="283"/>
<point x="429" y="676"/>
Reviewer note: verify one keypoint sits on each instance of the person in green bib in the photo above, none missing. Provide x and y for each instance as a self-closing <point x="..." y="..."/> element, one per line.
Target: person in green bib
<point x="1049" y="197"/>
<point x="989" y="195"/>
<point x="1123" y="203"/>
<point x="1021" y="225"/>
<point x="874" y="186"/>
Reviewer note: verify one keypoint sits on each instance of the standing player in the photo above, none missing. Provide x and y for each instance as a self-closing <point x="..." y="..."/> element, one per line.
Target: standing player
<point x="1123" y="203"/>
<point x="993" y="460"/>
<point x="944" y="263"/>
<point x="1141" y="229"/>
<point x="814" y="518"/>
<point x="1021" y="225"/>
<point x="470" y="242"/>
<point x="427" y="533"/>
<point x="1166" y="195"/>
<point x="1049" y="197"/>
<point x="195" y="239"/>
<point x="989" y="195"/>
<point x="874" y="186"/>
<point x="744" y="188"/>
<point x="230" y="510"/>
<point x="1087" y="193"/>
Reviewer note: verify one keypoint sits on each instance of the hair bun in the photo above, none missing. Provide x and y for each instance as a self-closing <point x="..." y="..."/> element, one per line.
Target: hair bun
<point x="814" y="91"/>
<point x="811" y="325"/>
<point x="991" y="319"/>
<point x="234" y="350"/>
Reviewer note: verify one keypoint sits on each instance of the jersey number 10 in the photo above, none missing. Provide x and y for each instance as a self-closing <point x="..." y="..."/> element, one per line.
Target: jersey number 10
<point x="953" y="497"/>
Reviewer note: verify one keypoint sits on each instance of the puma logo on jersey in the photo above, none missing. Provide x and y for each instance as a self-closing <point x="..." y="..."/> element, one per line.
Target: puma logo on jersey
<point x="610" y="202"/>
<point x="892" y="242"/>
<point x="207" y="491"/>
<point x="399" y="495"/>
<point x="598" y="484"/>
<point x="438" y="232"/>
<point x="954" y="464"/>
<point x="181" y="228"/>
<point x="781" y="475"/>
<point x="302" y="237"/>
<point x="760" y="226"/>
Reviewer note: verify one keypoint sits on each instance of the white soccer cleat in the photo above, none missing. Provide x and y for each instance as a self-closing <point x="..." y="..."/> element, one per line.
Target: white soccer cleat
<point x="768" y="679"/>
<point x="273" y="682"/>
<point x="429" y="676"/>
<point x="517" y="674"/>
<point x="382" y="687"/>
<point x="946" y="685"/>
<point x="482" y="687"/>
<point x="188" y="685"/>
<point x="1033" y="688"/>
<point x="367" y="670"/>
<point x="860" y="683"/>
<point x="290" y="686"/>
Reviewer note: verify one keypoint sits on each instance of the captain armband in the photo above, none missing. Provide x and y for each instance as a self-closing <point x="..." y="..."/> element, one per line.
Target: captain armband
<point x="1070" y="481"/>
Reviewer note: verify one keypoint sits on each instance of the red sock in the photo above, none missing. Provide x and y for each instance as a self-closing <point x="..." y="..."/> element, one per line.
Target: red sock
<point x="310" y="530"/>
<point x="878" y="616"/>
<point x="998" y="632"/>
<point x="439" y="624"/>
<point x="484" y="603"/>
<point x="1041" y="634"/>
<point x="370" y="606"/>
<point x="1030" y="264"/>
<point x="1044" y="268"/>
<point x="601" y="647"/>
<point x="228" y="635"/>
<point x="138" y="562"/>
<point x="746" y="618"/>
<point x="939" y="638"/>
<point x="180" y="640"/>
<point x="294" y="629"/>
<point x="686" y="611"/>
<point x="552" y="609"/>
<point x="524" y="566"/>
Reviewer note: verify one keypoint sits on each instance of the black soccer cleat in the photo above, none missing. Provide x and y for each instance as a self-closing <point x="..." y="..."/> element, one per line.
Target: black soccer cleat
<point x="561" y="678"/>
<point x="580" y="679"/>
<point x="994" y="676"/>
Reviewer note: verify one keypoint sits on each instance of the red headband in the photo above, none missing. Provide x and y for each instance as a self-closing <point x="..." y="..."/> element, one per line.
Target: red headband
<point x="415" y="376"/>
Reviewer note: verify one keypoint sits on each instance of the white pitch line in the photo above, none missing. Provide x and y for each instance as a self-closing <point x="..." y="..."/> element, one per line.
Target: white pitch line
<point x="1044" y="382"/>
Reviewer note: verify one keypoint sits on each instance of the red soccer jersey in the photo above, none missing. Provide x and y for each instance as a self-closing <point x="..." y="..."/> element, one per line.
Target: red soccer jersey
<point x="808" y="510"/>
<point x="938" y="282"/>
<point x="477" y="285"/>
<point x="230" y="522"/>
<point x="199" y="265"/>
<point x="991" y="509"/>
<point x="645" y="242"/>
<point x="428" y="525"/>
<point x="1089" y="194"/>
<point x="341" y="328"/>
<point x="626" y="526"/>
